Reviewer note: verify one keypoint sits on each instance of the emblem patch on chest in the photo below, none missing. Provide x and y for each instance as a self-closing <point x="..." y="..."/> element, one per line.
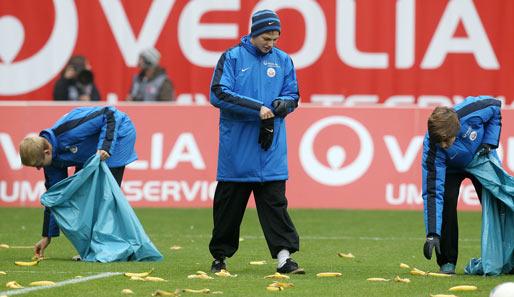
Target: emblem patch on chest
<point x="473" y="135"/>
<point x="72" y="149"/>
<point x="271" y="72"/>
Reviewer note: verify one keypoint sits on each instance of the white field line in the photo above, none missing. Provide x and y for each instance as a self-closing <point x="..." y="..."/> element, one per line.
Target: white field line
<point x="59" y="284"/>
<point x="307" y="237"/>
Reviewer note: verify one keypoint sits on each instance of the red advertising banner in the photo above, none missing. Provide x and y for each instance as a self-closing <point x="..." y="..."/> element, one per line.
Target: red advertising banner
<point x="395" y="52"/>
<point x="347" y="157"/>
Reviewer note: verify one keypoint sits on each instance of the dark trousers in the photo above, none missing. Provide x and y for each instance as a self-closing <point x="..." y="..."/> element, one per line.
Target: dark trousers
<point x="116" y="172"/>
<point x="230" y="200"/>
<point x="450" y="226"/>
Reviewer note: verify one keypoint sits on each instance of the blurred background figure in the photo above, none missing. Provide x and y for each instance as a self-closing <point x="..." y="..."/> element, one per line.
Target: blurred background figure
<point x="152" y="82"/>
<point x="76" y="82"/>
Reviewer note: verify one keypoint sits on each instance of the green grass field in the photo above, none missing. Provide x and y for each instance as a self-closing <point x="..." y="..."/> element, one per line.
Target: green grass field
<point x="380" y="241"/>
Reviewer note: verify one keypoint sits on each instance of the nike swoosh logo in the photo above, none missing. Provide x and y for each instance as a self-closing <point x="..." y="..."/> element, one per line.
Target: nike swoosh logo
<point x="270" y="23"/>
<point x="269" y="130"/>
<point x="453" y="156"/>
<point x="244" y="69"/>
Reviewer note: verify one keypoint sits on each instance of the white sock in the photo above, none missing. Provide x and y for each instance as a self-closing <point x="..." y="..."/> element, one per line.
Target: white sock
<point x="282" y="256"/>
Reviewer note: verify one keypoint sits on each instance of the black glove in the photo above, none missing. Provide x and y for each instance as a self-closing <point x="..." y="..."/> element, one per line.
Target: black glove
<point x="282" y="107"/>
<point x="484" y="149"/>
<point x="432" y="240"/>
<point x="266" y="133"/>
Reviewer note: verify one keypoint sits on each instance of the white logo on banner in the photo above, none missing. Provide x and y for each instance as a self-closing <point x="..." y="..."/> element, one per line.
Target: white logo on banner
<point x="336" y="175"/>
<point x="32" y="73"/>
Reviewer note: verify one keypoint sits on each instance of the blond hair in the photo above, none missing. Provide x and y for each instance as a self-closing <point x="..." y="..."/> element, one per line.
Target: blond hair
<point x="32" y="150"/>
<point x="443" y="124"/>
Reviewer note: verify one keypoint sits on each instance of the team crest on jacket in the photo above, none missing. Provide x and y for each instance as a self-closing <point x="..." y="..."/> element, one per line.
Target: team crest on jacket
<point x="473" y="135"/>
<point x="72" y="149"/>
<point x="271" y="72"/>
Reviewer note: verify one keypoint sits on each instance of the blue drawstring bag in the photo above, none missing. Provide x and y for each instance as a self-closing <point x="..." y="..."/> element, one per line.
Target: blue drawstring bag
<point x="94" y="214"/>
<point x="497" y="217"/>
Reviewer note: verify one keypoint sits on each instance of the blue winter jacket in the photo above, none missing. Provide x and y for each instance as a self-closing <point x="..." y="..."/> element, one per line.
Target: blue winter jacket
<point x="480" y="122"/>
<point x="78" y="135"/>
<point x="244" y="80"/>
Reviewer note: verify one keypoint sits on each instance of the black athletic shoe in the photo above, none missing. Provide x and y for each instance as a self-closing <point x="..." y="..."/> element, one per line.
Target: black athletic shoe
<point x="218" y="265"/>
<point x="290" y="267"/>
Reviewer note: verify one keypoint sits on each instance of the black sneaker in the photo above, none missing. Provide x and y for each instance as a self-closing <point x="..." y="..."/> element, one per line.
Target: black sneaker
<point x="290" y="267"/>
<point x="218" y="265"/>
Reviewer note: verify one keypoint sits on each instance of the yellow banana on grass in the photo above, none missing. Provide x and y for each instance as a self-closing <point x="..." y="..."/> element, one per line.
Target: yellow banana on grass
<point x="164" y="293"/>
<point x="463" y="288"/>
<point x="257" y="262"/>
<point x="438" y="274"/>
<point x="416" y="271"/>
<point x="277" y="275"/>
<point x="141" y="274"/>
<point x="42" y="283"/>
<point x="22" y="263"/>
<point x="343" y="255"/>
<point x="14" y="285"/>
<point x="196" y="291"/>
<point x="279" y="284"/>
<point x="328" y="274"/>
<point x="274" y="288"/>
<point x="442" y="295"/>
<point x="127" y="291"/>
<point x="148" y="279"/>
<point x="3" y="273"/>
<point x="378" y="279"/>
<point x="4" y="246"/>
<point x="225" y="273"/>
<point x="200" y="276"/>
<point x="403" y="265"/>
<point x="401" y="280"/>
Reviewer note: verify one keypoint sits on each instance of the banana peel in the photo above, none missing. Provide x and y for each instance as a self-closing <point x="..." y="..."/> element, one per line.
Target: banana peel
<point x="4" y="246"/>
<point x="127" y="291"/>
<point x="257" y="262"/>
<point x="196" y="291"/>
<point x="277" y="275"/>
<point x="22" y="263"/>
<point x="401" y="280"/>
<point x="416" y="271"/>
<point x="279" y="284"/>
<point x="438" y="274"/>
<point x="42" y="283"/>
<point x="199" y="276"/>
<point x="141" y="274"/>
<point x="175" y="247"/>
<point x="148" y="279"/>
<point x="274" y="288"/>
<point x="378" y="279"/>
<point x="343" y="255"/>
<point x="164" y="293"/>
<point x="38" y="257"/>
<point x="3" y="273"/>
<point x="224" y="273"/>
<point x="463" y="288"/>
<point x="13" y="285"/>
<point x="328" y="274"/>
<point x="403" y="265"/>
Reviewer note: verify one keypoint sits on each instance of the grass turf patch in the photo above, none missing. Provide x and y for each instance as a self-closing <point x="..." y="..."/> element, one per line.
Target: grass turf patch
<point x="380" y="241"/>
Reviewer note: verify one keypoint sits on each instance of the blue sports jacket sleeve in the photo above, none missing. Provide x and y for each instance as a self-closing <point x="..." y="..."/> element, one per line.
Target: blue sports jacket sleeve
<point x="290" y="88"/>
<point x="222" y="89"/>
<point x="53" y="175"/>
<point x="434" y="174"/>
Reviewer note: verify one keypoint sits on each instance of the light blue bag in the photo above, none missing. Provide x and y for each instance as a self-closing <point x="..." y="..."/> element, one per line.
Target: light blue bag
<point x="497" y="217"/>
<point x="94" y="214"/>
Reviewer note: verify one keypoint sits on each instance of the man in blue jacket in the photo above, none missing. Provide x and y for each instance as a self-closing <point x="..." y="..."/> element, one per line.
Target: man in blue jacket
<point x="254" y="86"/>
<point x="454" y="136"/>
<point x="75" y="137"/>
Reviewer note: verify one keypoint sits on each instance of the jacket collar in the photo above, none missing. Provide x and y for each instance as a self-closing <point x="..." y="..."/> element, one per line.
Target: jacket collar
<point x="247" y="44"/>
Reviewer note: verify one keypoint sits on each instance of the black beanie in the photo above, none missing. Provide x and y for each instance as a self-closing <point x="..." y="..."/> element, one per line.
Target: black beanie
<point x="264" y="21"/>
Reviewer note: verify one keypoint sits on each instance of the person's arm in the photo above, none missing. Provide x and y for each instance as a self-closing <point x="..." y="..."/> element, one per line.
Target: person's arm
<point x="222" y="90"/>
<point x="287" y="102"/>
<point x="166" y="92"/>
<point x="95" y="95"/>
<point x="108" y="127"/>
<point x="492" y="125"/>
<point x="61" y="89"/>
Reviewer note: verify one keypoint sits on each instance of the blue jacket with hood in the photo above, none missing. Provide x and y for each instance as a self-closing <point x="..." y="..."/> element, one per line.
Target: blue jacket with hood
<point x="244" y="80"/>
<point x="77" y="136"/>
<point x="480" y="122"/>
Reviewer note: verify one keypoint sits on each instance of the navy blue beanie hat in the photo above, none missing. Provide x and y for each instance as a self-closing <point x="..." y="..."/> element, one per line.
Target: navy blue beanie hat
<point x="264" y="21"/>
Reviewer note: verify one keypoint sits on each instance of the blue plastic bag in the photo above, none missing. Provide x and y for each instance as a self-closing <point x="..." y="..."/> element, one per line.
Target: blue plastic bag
<point x="94" y="214"/>
<point x="497" y="217"/>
